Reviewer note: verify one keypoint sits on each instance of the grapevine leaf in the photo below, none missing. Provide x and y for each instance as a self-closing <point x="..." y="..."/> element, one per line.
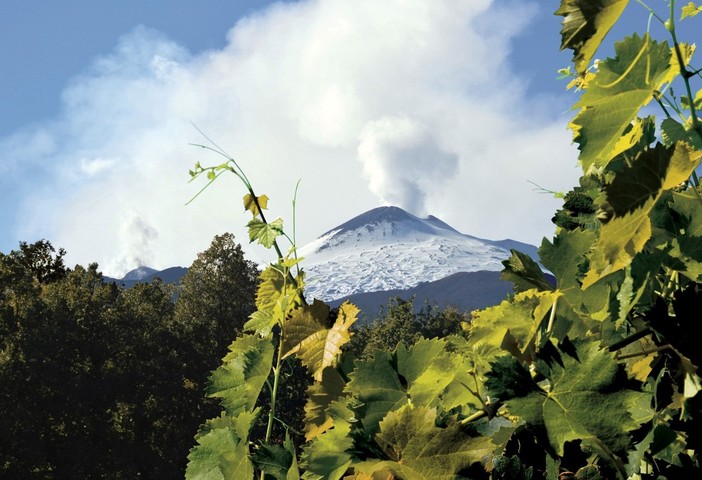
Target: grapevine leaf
<point x="273" y="460"/>
<point x="252" y="203"/>
<point x="509" y="379"/>
<point x="627" y="297"/>
<point x="642" y="180"/>
<point x="673" y="132"/>
<point x="378" y="387"/>
<point x="510" y="468"/>
<point x="293" y="469"/>
<point x="688" y="251"/>
<point x="423" y="375"/>
<point x="579" y="206"/>
<point x="639" y="134"/>
<point x="316" y="344"/>
<point x="566" y="257"/>
<point x="630" y="197"/>
<point x="524" y="273"/>
<point x="688" y="247"/>
<point x="261" y="322"/>
<point x="327" y="457"/>
<point x="588" y="472"/>
<point x="690" y="10"/>
<point x="443" y="377"/>
<point x="418" y="449"/>
<point x="515" y="324"/>
<point x="566" y="254"/>
<point x="689" y="205"/>
<point x="244" y="370"/>
<point x="276" y="294"/>
<point x="621" y="239"/>
<point x="621" y="87"/>
<point x="265" y="233"/>
<point x="270" y="288"/>
<point x="320" y="395"/>
<point x="585" y="24"/>
<point x="220" y="454"/>
<point x="582" y="401"/>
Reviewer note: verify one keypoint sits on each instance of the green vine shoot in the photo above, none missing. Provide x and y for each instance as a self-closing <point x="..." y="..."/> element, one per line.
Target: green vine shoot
<point x="593" y="375"/>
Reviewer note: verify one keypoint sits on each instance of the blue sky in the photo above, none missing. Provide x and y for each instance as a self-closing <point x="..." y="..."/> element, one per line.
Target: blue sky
<point x="446" y="107"/>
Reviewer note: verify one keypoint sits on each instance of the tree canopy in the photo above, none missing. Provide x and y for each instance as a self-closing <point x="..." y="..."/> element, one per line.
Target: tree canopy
<point x="104" y="382"/>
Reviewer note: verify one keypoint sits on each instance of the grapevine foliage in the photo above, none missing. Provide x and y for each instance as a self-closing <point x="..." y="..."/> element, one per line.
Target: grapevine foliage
<point x="593" y="375"/>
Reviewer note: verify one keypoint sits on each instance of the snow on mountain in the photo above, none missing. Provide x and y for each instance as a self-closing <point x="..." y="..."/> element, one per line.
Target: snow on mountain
<point x="388" y="248"/>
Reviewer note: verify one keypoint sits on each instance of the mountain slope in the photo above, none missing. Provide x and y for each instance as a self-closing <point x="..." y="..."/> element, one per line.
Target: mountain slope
<point x="146" y="275"/>
<point x="464" y="290"/>
<point x="388" y="248"/>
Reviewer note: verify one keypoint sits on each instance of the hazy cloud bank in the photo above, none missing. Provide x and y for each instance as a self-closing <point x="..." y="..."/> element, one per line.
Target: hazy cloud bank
<point x="406" y="102"/>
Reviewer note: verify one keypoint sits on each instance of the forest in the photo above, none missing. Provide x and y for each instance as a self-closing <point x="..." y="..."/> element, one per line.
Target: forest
<point x="105" y="382"/>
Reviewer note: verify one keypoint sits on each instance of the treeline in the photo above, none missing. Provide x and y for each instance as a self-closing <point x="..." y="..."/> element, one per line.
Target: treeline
<point x="97" y="381"/>
<point x="103" y="382"/>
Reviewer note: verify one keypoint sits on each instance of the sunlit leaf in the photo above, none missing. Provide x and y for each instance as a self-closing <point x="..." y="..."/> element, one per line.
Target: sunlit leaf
<point x="425" y="374"/>
<point x="252" y="203"/>
<point x="524" y="273"/>
<point x="308" y="336"/>
<point x="418" y="449"/>
<point x="585" y="24"/>
<point x="265" y="233"/>
<point x="630" y="198"/>
<point x="690" y="10"/>
<point x="622" y="86"/>
<point x="244" y="370"/>
<point x="515" y="324"/>
<point x="219" y="455"/>
<point x="673" y="132"/>
<point x="582" y="401"/>
<point x="276" y="292"/>
<point x="261" y="322"/>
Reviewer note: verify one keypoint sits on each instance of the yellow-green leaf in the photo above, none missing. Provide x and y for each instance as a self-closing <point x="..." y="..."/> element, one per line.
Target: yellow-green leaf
<point x="270" y="289"/>
<point x="630" y="198"/>
<point x="418" y="449"/>
<point x="622" y="86"/>
<point x="690" y="10"/>
<point x="673" y="132"/>
<point x="585" y="24"/>
<point x="578" y="402"/>
<point x="320" y="396"/>
<point x="255" y="204"/>
<point x="307" y="335"/>
<point x="265" y="232"/>
<point x="515" y="324"/>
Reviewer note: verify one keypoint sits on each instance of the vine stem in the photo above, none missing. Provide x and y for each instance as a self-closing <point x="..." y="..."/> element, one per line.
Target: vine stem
<point x="629" y="340"/>
<point x="621" y="468"/>
<point x="274" y="392"/>
<point x="643" y="353"/>
<point x="684" y="72"/>
<point x="552" y="317"/>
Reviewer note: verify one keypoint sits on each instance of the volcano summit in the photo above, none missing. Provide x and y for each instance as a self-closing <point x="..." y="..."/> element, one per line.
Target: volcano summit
<point x="388" y="248"/>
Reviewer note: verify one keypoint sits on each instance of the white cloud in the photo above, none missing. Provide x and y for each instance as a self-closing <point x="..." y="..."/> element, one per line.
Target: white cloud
<point x="135" y="237"/>
<point x="402" y="162"/>
<point x="405" y="101"/>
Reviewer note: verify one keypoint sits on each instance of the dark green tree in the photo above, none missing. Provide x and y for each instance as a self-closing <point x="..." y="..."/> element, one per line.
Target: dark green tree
<point x="217" y="295"/>
<point x="399" y="322"/>
<point x="103" y="382"/>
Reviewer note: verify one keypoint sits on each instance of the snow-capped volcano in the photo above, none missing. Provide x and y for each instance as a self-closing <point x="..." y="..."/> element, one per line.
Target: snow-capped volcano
<point x="388" y="248"/>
